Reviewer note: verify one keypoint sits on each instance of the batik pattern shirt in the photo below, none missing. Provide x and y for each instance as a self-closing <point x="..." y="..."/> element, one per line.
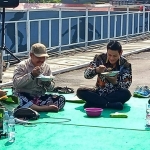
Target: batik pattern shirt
<point x="103" y="86"/>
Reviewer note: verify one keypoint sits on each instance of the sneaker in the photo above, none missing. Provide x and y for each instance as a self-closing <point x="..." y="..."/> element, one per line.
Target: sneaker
<point x="145" y="92"/>
<point x="137" y="91"/>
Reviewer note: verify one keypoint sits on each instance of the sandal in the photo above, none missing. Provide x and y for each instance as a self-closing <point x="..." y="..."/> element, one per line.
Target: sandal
<point x="63" y="90"/>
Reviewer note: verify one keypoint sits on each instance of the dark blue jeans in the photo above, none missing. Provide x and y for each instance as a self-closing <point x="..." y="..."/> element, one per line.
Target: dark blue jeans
<point x="92" y="97"/>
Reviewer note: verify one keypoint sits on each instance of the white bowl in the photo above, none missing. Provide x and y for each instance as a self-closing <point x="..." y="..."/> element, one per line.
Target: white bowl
<point x="110" y="73"/>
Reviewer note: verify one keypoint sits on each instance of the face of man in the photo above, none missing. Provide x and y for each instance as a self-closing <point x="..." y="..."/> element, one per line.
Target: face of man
<point x="37" y="61"/>
<point x="113" y="56"/>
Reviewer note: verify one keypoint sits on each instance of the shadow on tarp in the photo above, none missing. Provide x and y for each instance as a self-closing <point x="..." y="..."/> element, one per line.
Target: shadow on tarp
<point x="106" y="112"/>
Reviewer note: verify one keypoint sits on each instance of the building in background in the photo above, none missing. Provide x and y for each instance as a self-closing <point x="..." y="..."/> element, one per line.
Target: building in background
<point x="78" y="1"/>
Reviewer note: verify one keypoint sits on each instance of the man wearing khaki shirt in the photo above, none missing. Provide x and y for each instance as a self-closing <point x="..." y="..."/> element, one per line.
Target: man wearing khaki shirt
<point x="29" y="89"/>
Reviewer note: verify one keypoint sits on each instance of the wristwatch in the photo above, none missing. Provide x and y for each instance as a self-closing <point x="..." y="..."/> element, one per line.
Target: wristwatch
<point x="95" y="71"/>
<point x="32" y="76"/>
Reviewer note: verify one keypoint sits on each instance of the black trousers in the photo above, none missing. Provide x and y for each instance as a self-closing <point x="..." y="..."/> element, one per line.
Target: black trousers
<point x="92" y="97"/>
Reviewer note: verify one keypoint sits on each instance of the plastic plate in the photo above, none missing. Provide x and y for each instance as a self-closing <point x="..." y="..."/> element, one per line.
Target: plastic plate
<point x="110" y="74"/>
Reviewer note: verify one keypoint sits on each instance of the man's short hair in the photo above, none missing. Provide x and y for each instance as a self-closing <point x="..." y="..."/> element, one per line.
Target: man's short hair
<point x="115" y="46"/>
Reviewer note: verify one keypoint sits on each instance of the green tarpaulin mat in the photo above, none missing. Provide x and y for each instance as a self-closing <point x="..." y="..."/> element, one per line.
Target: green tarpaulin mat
<point x="69" y="97"/>
<point x="82" y="132"/>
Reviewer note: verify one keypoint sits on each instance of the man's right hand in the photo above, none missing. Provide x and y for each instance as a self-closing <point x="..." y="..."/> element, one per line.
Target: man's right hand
<point x="36" y="71"/>
<point x="45" y="108"/>
<point x="100" y="69"/>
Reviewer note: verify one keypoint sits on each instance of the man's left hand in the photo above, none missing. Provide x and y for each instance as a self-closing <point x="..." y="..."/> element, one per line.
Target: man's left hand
<point x="112" y="80"/>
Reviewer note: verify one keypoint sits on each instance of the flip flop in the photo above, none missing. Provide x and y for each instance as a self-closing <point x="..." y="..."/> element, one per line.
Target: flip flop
<point x="63" y="90"/>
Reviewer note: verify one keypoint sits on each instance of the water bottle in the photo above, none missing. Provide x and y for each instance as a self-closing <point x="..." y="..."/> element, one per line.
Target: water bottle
<point x="11" y="129"/>
<point x="5" y="122"/>
<point x="148" y="115"/>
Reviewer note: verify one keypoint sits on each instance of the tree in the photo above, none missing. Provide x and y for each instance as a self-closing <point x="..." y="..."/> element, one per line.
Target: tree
<point x="44" y="1"/>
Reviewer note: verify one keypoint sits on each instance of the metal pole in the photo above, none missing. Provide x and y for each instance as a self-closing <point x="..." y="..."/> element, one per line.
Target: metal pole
<point x="2" y="45"/>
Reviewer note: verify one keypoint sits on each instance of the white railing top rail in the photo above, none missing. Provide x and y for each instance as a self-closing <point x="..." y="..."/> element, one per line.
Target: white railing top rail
<point x="34" y="20"/>
<point x="63" y="8"/>
<point x="78" y="17"/>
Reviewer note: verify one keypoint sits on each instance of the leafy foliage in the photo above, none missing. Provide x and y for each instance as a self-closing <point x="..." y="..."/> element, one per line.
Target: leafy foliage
<point x="59" y="1"/>
<point x="44" y="1"/>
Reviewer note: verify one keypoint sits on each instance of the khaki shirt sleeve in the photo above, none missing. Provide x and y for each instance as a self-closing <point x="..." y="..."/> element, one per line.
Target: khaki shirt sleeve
<point x="21" y="78"/>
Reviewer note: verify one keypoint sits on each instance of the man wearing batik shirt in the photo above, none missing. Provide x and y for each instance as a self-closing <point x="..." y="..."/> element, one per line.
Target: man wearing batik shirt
<point x="110" y="92"/>
<point x="30" y="90"/>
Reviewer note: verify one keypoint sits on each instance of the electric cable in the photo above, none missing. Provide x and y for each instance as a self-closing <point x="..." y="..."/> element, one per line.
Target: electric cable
<point x="29" y="123"/>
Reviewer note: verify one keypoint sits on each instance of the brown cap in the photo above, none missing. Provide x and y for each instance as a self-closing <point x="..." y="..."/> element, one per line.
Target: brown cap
<point x="39" y="50"/>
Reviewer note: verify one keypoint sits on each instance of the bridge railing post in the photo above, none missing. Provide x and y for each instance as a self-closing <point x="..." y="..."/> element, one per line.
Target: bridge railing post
<point x="28" y="30"/>
<point x="143" y="30"/>
<point x="127" y="25"/>
<point x="86" y="28"/>
<point x="60" y="30"/>
<point x="108" y="33"/>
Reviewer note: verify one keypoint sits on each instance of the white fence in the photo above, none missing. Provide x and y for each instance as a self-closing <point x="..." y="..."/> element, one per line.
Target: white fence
<point x="111" y="25"/>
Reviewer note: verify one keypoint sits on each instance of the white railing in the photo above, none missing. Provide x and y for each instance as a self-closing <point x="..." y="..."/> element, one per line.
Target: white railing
<point x="105" y="26"/>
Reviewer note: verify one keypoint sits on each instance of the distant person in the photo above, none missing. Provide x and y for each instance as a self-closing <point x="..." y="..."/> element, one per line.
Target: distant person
<point x="110" y="92"/>
<point x="146" y="7"/>
<point x="82" y="28"/>
<point x="32" y="91"/>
